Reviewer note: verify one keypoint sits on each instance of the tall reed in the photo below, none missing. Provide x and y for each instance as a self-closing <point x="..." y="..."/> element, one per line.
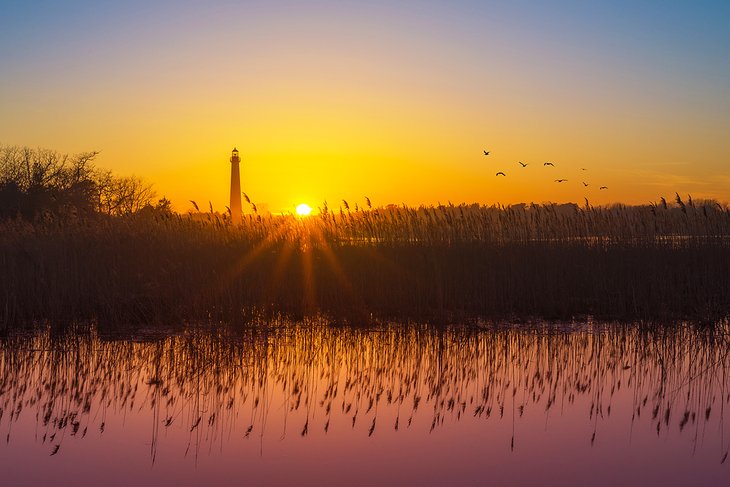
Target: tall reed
<point x="444" y="262"/>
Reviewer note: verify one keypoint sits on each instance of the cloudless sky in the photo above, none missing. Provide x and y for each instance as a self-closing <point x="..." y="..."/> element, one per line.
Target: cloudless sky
<point x="393" y="100"/>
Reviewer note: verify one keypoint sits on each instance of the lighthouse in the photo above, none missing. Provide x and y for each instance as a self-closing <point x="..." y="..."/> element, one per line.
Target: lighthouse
<point x="235" y="187"/>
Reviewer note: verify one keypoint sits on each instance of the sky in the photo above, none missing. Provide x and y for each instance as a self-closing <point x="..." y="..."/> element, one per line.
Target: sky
<point x="332" y="100"/>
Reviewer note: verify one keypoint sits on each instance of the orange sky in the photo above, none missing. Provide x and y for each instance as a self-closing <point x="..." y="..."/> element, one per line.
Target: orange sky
<point x="334" y="102"/>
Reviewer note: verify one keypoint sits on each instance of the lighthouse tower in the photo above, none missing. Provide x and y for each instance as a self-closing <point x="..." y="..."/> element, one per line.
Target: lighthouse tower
<point x="235" y="187"/>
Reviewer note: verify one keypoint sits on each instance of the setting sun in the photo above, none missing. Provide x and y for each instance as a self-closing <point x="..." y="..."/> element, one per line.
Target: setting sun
<point x="304" y="209"/>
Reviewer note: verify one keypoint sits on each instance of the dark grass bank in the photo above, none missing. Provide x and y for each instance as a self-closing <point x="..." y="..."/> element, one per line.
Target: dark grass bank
<point x="358" y="267"/>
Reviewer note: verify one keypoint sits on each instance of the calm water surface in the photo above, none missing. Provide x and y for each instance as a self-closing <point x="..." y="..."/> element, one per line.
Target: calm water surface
<point x="579" y="404"/>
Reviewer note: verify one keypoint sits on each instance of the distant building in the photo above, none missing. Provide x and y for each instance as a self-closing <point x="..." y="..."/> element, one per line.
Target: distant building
<point x="235" y="187"/>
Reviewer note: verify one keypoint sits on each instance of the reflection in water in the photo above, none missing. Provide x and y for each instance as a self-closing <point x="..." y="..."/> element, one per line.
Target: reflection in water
<point x="210" y="386"/>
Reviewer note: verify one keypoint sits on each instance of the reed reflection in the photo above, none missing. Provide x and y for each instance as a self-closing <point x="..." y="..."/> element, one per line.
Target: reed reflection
<point x="203" y="387"/>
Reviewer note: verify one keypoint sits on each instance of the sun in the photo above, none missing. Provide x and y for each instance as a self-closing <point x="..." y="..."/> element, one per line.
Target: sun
<point x="304" y="209"/>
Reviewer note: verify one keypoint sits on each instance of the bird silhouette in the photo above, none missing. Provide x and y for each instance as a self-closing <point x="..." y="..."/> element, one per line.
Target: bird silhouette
<point x="500" y="173"/>
<point x="584" y="183"/>
<point x="486" y="152"/>
<point x="548" y="164"/>
<point x="522" y="164"/>
<point x="603" y="187"/>
<point x="560" y="180"/>
<point x="583" y="169"/>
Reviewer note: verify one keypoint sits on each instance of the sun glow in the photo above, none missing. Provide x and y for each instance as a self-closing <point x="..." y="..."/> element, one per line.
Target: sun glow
<point x="304" y="209"/>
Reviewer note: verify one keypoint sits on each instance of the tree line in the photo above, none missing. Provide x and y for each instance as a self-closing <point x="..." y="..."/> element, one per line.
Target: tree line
<point x="37" y="183"/>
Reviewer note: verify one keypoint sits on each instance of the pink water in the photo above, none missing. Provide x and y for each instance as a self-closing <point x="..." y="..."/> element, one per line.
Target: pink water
<point x="509" y="405"/>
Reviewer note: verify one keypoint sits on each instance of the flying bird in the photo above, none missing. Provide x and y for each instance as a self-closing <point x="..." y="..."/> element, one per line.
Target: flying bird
<point x="522" y="164"/>
<point x="584" y="183"/>
<point x="603" y="187"/>
<point x="583" y="169"/>
<point x="560" y="180"/>
<point x="486" y="152"/>
<point x="500" y="173"/>
<point x="548" y="164"/>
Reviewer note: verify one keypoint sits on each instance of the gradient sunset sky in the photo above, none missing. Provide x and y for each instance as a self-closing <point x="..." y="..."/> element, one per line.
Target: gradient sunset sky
<point x="391" y="100"/>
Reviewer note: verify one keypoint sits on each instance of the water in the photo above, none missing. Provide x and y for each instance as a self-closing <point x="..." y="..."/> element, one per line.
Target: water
<point x="543" y="404"/>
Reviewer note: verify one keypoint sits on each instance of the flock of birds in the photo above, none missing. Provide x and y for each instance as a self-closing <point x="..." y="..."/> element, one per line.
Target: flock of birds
<point x="561" y="180"/>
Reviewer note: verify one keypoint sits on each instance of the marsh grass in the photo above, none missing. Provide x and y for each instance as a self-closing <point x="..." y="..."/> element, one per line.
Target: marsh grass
<point x="440" y="263"/>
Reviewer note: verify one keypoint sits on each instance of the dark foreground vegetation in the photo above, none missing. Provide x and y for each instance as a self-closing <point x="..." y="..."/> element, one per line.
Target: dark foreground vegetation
<point x="148" y="264"/>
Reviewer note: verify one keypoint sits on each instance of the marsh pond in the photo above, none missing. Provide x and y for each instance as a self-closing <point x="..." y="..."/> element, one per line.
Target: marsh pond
<point x="315" y="404"/>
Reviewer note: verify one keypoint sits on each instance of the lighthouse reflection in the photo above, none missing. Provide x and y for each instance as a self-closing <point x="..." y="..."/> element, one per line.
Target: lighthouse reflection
<point x="510" y="389"/>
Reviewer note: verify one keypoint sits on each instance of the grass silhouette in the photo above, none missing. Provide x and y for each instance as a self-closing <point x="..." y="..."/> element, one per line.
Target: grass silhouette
<point x="442" y="263"/>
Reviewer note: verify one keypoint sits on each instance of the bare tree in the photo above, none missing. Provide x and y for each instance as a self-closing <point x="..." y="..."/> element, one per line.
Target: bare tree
<point x="122" y="195"/>
<point x="36" y="180"/>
